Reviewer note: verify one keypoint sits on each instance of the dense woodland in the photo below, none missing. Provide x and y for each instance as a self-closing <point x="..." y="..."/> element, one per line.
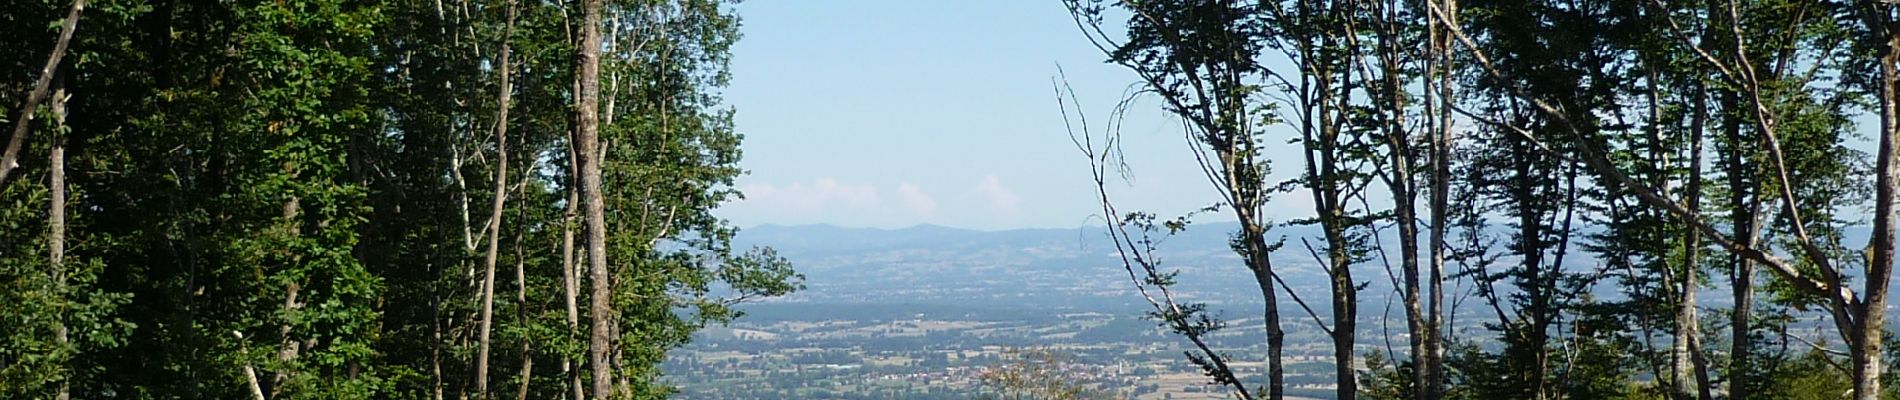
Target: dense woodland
<point x="1579" y="170"/>
<point x="505" y="198"/>
<point x="364" y="199"/>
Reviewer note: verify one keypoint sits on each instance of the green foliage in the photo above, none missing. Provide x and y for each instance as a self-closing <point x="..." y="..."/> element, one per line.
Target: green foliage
<point x="1385" y="380"/>
<point x="282" y="186"/>
<point x="1808" y="376"/>
<point x="1036" y="374"/>
<point x="32" y="365"/>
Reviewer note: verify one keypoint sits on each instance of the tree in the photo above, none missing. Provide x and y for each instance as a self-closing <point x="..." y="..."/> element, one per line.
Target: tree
<point x="1848" y="309"/>
<point x="1319" y="36"/>
<point x="1036" y="374"/>
<point x="1199" y="58"/>
<point x="21" y="124"/>
<point x="588" y="160"/>
<point x="286" y="194"/>
<point x="494" y="218"/>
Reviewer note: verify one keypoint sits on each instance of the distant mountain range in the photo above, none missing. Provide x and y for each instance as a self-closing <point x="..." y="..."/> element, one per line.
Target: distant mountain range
<point x="833" y="239"/>
<point x="932" y="264"/>
<point x="827" y="239"/>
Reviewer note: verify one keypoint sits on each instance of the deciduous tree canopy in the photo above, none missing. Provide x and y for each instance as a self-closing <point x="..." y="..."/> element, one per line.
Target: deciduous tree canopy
<point x="1589" y="165"/>
<point x="273" y="199"/>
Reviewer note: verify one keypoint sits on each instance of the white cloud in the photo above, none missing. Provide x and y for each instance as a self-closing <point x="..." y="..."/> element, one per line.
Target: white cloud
<point x="999" y="197"/>
<point x="984" y="202"/>
<point x="821" y="193"/>
<point x="915" y="200"/>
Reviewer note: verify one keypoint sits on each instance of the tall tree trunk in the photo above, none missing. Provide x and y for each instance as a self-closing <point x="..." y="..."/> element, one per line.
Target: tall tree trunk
<point x="11" y="158"/>
<point x="1245" y="190"/>
<point x="1432" y="387"/>
<point x="1681" y="385"/>
<point x="1405" y="215"/>
<point x="570" y="285"/>
<point x="588" y="147"/>
<point x="1328" y="188"/>
<point x="250" y="373"/>
<point x="1321" y="85"/>
<point x="1262" y="267"/>
<point x="1546" y="303"/>
<point x="56" y="221"/>
<point x="570" y="273"/>
<point x="494" y="215"/>
<point x="1400" y="181"/>
<point x="1345" y="325"/>
<point x="1276" y="345"/>
<point x="1345" y="312"/>
<point x="287" y="350"/>
<point x="1745" y="205"/>
<point x="1870" y="313"/>
<point x="1530" y="247"/>
<point x="1691" y="375"/>
<point x="521" y="296"/>
<point x="436" y="341"/>
<point x="527" y="351"/>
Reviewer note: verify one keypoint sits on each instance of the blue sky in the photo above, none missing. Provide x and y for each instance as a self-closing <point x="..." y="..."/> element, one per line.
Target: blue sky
<point x="892" y="113"/>
<point x="896" y="113"/>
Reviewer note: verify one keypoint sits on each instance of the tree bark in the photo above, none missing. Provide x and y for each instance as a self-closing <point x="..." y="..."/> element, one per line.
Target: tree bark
<point x="570" y="284"/>
<point x="569" y="268"/>
<point x="287" y="350"/>
<point x="1691" y="375"/>
<point x="521" y="295"/>
<point x="56" y="221"/>
<point x="1432" y="387"/>
<point x="1745" y="205"/>
<point x="1325" y="182"/>
<point x="1682" y="376"/>
<point x="494" y="215"/>
<point x="250" y="373"/>
<point x="588" y="149"/>
<point x="1262" y="267"/>
<point x="1399" y="176"/>
<point x="1530" y="247"/>
<point x="22" y="124"/>
<point x="1870" y="314"/>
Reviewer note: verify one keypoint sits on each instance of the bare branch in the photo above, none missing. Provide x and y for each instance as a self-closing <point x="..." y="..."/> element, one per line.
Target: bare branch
<point x="22" y="124"/>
